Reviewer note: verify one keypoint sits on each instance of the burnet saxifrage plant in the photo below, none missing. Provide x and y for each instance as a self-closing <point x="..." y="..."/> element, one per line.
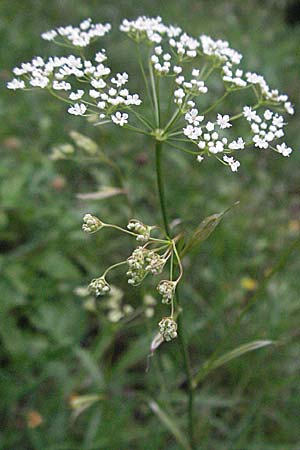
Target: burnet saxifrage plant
<point x="176" y="69"/>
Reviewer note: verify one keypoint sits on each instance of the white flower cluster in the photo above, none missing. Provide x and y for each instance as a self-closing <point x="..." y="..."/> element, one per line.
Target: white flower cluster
<point x="136" y="263"/>
<point x="168" y="328"/>
<point x="115" y="309"/>
<point x="219" y="50"/>
<point x="208" y="137"/>
<point x="154" y="263"/>
<point x="89" y="87"/>
<point x="161" y="61"/>
<point x="233" y="78"/>
<point x="80" y="36"/>
<point x="265" y="129"/>
<point x="149" y="304"/>
<point x="99" y="286"/>
<point x="150" y="28"/>
<point x="154" y="30"/>
<point x="143" y="231"/>
<point x="141" y="262"/>
<point x="189" y="89"/>
<point x="270" y="95"/>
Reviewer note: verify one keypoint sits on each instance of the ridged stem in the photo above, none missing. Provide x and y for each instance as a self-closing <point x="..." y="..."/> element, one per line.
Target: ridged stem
<point x="181" y="338"/>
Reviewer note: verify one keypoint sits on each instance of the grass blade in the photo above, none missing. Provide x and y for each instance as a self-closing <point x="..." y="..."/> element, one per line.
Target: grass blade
<point x="211" y="365"/>
<point x="170" y="424"/>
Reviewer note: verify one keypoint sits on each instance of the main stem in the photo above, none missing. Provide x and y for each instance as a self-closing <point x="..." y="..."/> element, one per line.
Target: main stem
<point x="160" y="186"/>
<point x="181" y="338"/>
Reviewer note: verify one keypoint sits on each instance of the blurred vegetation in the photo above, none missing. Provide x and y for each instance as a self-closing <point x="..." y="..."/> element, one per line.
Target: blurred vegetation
<point x="70" y="379"/>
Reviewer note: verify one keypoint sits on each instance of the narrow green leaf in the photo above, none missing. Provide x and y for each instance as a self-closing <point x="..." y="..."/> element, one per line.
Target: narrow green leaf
<point x="204" y="230"/>
<point x="170" y="424"/>
<point x="80" y="403"/>
<point x="213" y="364"/>
<point x="105" y="192"/>
<point x="84" y="142"/>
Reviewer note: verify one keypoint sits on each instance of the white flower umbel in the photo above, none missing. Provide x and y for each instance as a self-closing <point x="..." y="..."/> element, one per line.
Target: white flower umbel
<point x="102" y="95"/>
<point x="176" y="74"/>
<point x="80" y="36"/>
<point x="187" y="62"/>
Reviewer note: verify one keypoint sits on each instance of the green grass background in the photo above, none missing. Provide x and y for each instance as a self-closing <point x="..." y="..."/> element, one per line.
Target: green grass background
<point x="52" y="348"/>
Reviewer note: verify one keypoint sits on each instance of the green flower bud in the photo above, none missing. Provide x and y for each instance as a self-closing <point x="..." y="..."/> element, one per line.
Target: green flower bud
<point x="143" y="231"/>
<point x="91" y="224"/>
<point x="168" y="328"/>
<point x="99" y="286"/>
<point x="166" y="288"/>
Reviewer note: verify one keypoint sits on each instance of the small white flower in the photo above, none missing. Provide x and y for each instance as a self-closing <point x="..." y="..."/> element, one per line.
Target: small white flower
<point x="216" y="147"/>
<point x="100" y="56"/>
<point x="289" y="108"/>
<point x="200" y="158"/>
<point x="61" y="86"/>
<point x="249" y="113"/>
<point x="284" y="149"/>
<point x="237" y="145"/>
<point x="49" y="35"/>
<point x="78" y="109"/>
<point x="260" y="142"/>
<point x="120" y="79"/>
<point x="210" y="126"/>
<point x="223" y="121"/>
<point x="268" y="114"/>
<point x="177" y="69"/>
<point x="192" y="132"/>
<point x="120" y="119"/>
<point x="278" y="121"/>
<point x="112" y="92"/>
<point x="94" y="94"/>
<point x="98" y="84"/>
<point x="179" y="80"/>
<point x="193" y="118"/>
<point x="76" y="95"/>
<point x="15" y="84"/>
<point x="234" y="164"/>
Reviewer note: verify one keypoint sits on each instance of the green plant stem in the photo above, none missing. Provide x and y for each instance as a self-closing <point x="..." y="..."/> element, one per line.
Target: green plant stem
<point x="188" y="372"/>
<point x="161" y="193"/>
<point x="181" y="339"/>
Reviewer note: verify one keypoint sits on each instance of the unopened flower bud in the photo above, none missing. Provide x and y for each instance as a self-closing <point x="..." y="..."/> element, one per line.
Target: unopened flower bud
<point x="168" y="328"/>
<point x="136" y="263"/>
<point x="166" y="288"/>
<point x="99" y="286"/>
<point x="143" y="231"/>
<point x="91" y="224"/>
<point x="154" y="262"/>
